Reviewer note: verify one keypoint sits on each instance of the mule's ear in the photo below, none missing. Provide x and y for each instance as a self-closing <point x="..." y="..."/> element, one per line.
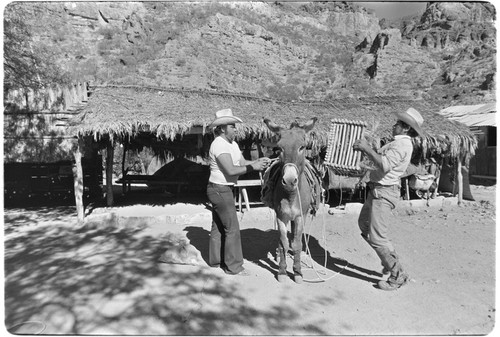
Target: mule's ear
<point x="295" y="124"/>
<point x="272" y="126"/>
<point x="309" y="125"/>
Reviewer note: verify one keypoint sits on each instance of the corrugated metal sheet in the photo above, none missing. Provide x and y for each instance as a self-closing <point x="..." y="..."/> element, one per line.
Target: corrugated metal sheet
<point x="472" y="115"/>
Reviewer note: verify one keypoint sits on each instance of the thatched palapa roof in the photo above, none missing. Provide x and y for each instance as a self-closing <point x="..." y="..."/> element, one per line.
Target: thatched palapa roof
<point x="121" y="112"/>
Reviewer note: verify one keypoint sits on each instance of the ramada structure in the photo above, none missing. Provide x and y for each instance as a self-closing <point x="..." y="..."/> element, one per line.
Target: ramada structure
<point x="174" y="121"/>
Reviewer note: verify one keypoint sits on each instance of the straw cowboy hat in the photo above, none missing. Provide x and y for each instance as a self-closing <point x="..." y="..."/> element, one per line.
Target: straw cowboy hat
<point x="413" y="118"/>
<point x="224" y="117"/>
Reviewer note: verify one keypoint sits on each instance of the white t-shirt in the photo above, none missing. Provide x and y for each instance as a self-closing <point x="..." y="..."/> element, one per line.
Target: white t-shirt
<point x="218" y="147"/>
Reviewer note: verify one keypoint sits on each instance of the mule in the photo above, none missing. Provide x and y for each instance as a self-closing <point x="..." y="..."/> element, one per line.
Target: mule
<point x="289" y="192"/>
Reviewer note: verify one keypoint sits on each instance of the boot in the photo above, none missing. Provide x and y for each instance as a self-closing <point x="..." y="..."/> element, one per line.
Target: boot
<point x="387" y="270"/>
<point x="390" y="261"/>
<point x="394" y="281"/>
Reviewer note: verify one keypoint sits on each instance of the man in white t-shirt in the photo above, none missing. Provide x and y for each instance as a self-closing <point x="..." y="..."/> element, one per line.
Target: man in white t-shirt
<point x="374" y="219"/>
<point x="226" y="164"/>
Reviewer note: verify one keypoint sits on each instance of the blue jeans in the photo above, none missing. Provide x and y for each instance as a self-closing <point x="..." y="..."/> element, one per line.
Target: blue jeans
<point x="225" y="239"/>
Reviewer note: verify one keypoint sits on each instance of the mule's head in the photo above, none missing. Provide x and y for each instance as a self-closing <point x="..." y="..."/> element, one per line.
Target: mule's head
<point x="292" y="144"/>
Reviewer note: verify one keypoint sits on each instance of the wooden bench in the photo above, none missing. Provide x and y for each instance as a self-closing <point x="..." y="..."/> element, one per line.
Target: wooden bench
<point x="242" y="186"/>
<point x="150" y="180"/>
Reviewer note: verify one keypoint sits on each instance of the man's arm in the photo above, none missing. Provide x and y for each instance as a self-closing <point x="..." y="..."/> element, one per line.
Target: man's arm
<point x="225" y="163"/>
<point x="244" y="162"/>
<point x="363" y="145"/>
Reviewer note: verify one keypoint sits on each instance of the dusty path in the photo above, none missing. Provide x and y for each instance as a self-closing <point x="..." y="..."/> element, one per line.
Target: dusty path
<point x="104" y="278"/>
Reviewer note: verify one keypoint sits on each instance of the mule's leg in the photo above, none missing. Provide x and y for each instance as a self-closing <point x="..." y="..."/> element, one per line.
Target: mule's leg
<point x="298" y="228"/>
<point x="282" y="249"/>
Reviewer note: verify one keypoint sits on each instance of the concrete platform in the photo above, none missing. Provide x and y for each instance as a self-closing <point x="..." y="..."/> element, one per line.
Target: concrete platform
<point x="182" y="214"/>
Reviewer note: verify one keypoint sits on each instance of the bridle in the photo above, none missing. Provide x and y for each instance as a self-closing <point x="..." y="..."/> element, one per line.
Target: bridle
<point x="290" y="164"/>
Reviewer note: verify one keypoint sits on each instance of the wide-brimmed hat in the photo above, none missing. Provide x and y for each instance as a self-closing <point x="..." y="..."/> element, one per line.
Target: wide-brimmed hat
<point x="413" y="118"/>
<point x="224" y="117"/>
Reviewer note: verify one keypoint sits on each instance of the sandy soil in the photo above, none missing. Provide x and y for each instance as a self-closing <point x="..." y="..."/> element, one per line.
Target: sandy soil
<point x="103" y="278"/>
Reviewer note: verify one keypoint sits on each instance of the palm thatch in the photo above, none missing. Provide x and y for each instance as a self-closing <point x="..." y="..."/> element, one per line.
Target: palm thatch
<point x="122" y="112"/>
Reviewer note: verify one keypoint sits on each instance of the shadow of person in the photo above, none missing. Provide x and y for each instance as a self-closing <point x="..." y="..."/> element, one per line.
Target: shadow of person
<point x="338" y="265"/>
<point x="259" y="246"/>
<point x="199" y="238"/>
<point x="256" y="245"/>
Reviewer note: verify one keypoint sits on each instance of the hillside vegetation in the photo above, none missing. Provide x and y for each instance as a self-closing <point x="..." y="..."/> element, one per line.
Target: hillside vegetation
<point x="286" y="51"/>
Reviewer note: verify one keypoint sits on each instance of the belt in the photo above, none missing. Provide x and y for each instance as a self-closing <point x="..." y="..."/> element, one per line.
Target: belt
<point x="374" y="184"/>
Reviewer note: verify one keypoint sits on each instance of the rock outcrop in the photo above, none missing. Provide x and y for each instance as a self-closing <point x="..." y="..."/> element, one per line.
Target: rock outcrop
<point x="452" y="25"/>
<point x="287" y="51"/>
<point x="400" y="66"/>
<point x="446" y="54"/>
<point x="478" y="12"/>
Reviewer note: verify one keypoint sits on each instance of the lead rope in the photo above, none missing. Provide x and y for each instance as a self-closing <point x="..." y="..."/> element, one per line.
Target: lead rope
<point x="308" y="251"/>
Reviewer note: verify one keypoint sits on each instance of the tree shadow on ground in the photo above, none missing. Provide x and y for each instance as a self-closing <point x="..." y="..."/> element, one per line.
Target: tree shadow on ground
<point x="18" y="217"/>
<point x="105" y="279"/>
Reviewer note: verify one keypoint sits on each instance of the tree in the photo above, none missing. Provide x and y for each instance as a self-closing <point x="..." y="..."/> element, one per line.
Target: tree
<point x="28" y="63"/>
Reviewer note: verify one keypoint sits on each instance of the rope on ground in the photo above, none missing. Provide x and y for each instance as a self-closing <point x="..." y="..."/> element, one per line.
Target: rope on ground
<point x="306" y="239"/>
<point x="308" y="251"/>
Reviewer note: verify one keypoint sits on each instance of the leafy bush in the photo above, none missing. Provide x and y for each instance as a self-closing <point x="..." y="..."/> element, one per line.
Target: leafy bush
<point x="28" y="62"/>
<point x="108" y="32"/>
<point x="180" y="62"/>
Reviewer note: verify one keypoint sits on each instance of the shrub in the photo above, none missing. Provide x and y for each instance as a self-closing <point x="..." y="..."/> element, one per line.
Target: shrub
<point x="108" y="32"/>
<point x="180" y="62"/>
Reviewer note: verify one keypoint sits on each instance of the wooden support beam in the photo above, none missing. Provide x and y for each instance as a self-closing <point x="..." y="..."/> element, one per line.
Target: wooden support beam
<point x="440" y="169"/>
<point x="460" y="181"/>
<point x="407" y="189"/>
<point x="78" y="181"/>
<point x="484" y="177"/>
<point x="110" y="150"/>
<point x="124" y="187"/>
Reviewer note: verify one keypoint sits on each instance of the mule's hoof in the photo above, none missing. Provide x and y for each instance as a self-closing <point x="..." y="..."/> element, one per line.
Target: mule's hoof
<point x="298" y="279"/>
<point x="282" y="277"/>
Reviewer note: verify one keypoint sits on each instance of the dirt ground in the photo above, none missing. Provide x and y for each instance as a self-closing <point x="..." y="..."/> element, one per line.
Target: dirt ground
<point x="104" y="277"/>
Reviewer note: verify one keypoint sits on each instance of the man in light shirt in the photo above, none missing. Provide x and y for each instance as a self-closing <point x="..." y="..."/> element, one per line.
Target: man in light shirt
<point x="390" y="162"/>
<point x="226" y="165"/>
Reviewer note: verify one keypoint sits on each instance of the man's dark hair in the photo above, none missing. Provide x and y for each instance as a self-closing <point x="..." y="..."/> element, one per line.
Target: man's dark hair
<point x="411" y="131"/>
<point x="404" y="125"/>
<point x="218" y="130"/>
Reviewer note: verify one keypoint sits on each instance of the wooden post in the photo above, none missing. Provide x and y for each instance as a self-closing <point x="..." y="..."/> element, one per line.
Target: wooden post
<point x="407" y="189"/>
<point x="109" y="173"/>
<point x="460" y="180"/>
<point x="78" y="181"/>
<point x="245" y="198"/>
<point x="123" y="168"/>
<point x="440" y="169"/>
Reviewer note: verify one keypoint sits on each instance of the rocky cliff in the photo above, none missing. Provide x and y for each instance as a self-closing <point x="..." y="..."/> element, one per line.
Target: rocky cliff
<point x="288" y="51"/>
<point x="461" y="37"/>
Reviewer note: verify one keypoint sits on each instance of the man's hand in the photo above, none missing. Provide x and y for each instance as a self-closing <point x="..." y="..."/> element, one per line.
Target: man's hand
<point x="364" y="145"/>
<point x="261" y="163"/>
<point x="361" y="145"/>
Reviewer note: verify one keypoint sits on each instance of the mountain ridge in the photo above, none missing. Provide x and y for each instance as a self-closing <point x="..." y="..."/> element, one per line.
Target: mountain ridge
<point x="307" y="51"/>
